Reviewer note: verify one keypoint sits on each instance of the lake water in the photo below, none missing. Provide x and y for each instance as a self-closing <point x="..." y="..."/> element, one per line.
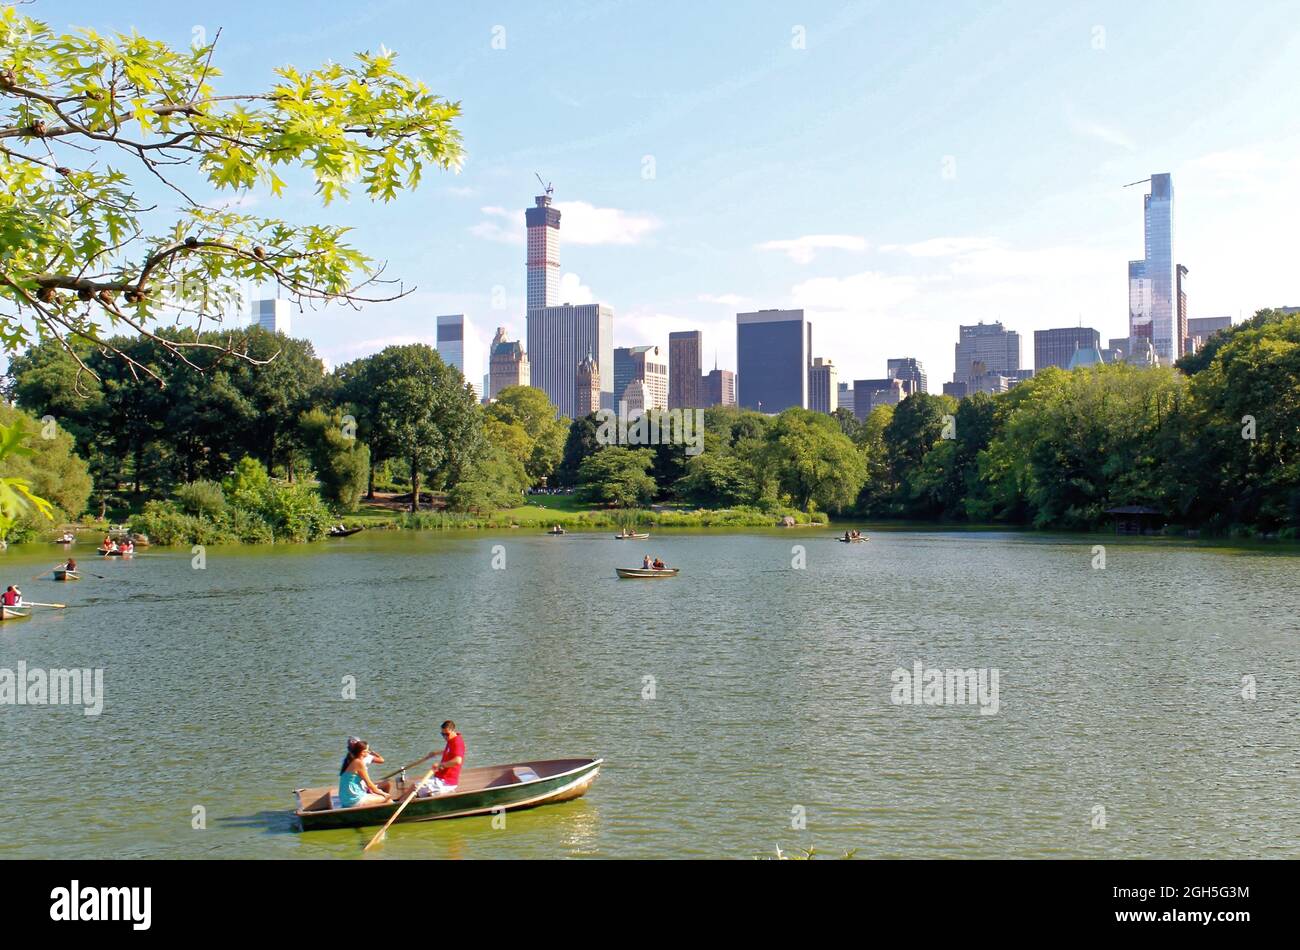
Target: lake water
<point x="1120" y="694"/>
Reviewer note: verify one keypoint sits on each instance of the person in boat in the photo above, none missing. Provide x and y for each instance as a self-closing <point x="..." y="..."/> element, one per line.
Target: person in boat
<point x="645" y="563"/>
<point x="447" y="776"/>
<point x="355" y="786"/>
<point x="659" y="565"/>
<point x="108" y="543"/>
<point x="71" y="565"/>
<point x="12" y="597"/>
<point x="368" y="758"/>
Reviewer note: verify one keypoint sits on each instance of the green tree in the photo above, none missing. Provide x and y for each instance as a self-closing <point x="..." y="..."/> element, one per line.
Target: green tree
<point x="41" y="477"/>
<point x="617" y="476"/>
<point x="813" y="461"/>
<point x="579" y="445"/>
<point x="419" y="411"/>
<point x="535" y="414"/>
<point x="83" y="248"/>
<point x="341" y="463"/>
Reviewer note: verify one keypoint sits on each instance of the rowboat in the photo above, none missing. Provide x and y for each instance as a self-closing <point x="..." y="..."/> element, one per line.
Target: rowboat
<point x="343" y="532"/>
<point x="65" y="575"/>
<point x="629" y="573"/>
<point x="553" y="531"/>
<point x="853" y="540"/>
<point x="481" y="791"/>
<point x="103" y="553"/>
<point x="13" y="613"/>
<point x="630" y="537"/>
<point x="66" y="539"/>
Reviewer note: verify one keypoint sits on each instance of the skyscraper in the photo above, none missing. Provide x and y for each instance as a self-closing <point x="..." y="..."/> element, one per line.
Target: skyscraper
<point x="773" y="353"/>
<point x="1153" y="281"/>
<point x="272" y="315"/>
<point x="684" y="366"/>
<point x="991" y="344"/>
<point x="507" y="364"/>
<point x="870" y="393"/>
<point x="719" y="388"/>
<point x="559" y="338"/>
<point x="845" y="397"/>
<point x="586" y="387"/>
<point x="910" y="369"/>
<point x="1205" y="326"/>
<point x="451" y="337"/>
<point x="1056" y="347"/>
<point x="641" y="364"/>
<point x="543" y="252"/>
<point x="823" y="386"/>
<point x="1182" y="310"/>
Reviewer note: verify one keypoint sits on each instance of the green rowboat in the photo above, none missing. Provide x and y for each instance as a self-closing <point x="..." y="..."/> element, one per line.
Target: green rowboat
<point x="637" y="573"/>
<point x="481" y="791"/>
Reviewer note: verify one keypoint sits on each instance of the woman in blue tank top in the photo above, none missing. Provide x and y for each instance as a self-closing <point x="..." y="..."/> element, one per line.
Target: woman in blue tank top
<point x="355" y="787"/>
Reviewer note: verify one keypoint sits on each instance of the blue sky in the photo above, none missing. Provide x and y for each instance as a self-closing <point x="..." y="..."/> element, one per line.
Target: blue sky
<point x="895" y="171"/>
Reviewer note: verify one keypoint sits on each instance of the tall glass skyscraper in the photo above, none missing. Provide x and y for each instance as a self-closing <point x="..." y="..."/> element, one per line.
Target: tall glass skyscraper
<point x="773" y="355"/>
<point x="543" y="252"/>
<point x="1153" y="281"/>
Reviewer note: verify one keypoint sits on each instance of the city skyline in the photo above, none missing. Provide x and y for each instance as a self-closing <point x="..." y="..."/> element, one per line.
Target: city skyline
<point x="965" y="223"/>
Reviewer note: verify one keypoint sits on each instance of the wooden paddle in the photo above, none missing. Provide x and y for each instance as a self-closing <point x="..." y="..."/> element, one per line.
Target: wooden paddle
<point x="406" y="801"/>
<point x="409" y="765"/>
<point x="32" y="603"/>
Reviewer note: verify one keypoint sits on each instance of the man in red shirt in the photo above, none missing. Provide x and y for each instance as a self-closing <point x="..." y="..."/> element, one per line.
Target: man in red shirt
<point x="447" y="776"/>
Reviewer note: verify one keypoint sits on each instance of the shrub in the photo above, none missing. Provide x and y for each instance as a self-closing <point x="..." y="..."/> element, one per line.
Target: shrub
<point x="203" y="499"/>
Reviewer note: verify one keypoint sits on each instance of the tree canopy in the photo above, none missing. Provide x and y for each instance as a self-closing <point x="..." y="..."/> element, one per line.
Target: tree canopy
<point x="87" y="120"/>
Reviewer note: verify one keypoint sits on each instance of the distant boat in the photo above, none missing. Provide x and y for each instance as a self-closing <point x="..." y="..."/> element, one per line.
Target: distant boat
<point x="862" y="540"/>
<point x="103" y="553"/>
<point x="13" y="613"/>
<point x="343" y="532"/>
<point x="557" y="531"/>
<point x="631" y="537"/>
<point x="66" y="539"/>
<point x="61" y="574"/>
<point x="637" y="573"/>
<point x="481" y="791"/>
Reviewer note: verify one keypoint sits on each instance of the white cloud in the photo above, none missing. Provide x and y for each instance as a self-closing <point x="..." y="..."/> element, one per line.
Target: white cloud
<point x="734" y="301"/>
<point x="941" y="247"/>
<point x="461" y="191"/>
<point x="580" y="223"/>
<point x="867" y="292"/>
<point x="583" y="223"/>
<point x="500" y="225"/>
<point x="573" y="290"/>
<point x="804" y="249"/>
<point x="1089" y="128"/>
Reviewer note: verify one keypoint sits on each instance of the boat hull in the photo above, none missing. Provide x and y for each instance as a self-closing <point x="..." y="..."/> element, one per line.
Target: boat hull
<point x="637" y="573"/>
<point x="67" y="576"/>
<point x="566" y="779"/>
<point x="630" y="537"/>
<point x="12" y="613"/>
<point x="853" y="540"/>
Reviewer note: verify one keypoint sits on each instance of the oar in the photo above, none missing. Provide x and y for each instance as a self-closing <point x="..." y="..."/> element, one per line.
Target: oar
<point x="410" y="765"/>
<point x="406" y="801"/>
<point x="32" y="603"/>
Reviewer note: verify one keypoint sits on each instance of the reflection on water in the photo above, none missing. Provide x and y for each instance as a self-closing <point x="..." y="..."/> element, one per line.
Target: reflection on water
<point x="1119" y="688"/>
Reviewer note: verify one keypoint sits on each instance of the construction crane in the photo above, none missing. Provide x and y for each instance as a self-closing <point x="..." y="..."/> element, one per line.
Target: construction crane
<point x="1132" y="183"/>
<point x="546" y="185"/>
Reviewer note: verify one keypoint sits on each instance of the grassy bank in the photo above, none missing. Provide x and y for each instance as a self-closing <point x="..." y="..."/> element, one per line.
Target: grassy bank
<point x="565" y="511"/>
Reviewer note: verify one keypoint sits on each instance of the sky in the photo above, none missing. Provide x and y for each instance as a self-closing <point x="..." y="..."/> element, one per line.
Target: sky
<point x="893" y="170"/>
